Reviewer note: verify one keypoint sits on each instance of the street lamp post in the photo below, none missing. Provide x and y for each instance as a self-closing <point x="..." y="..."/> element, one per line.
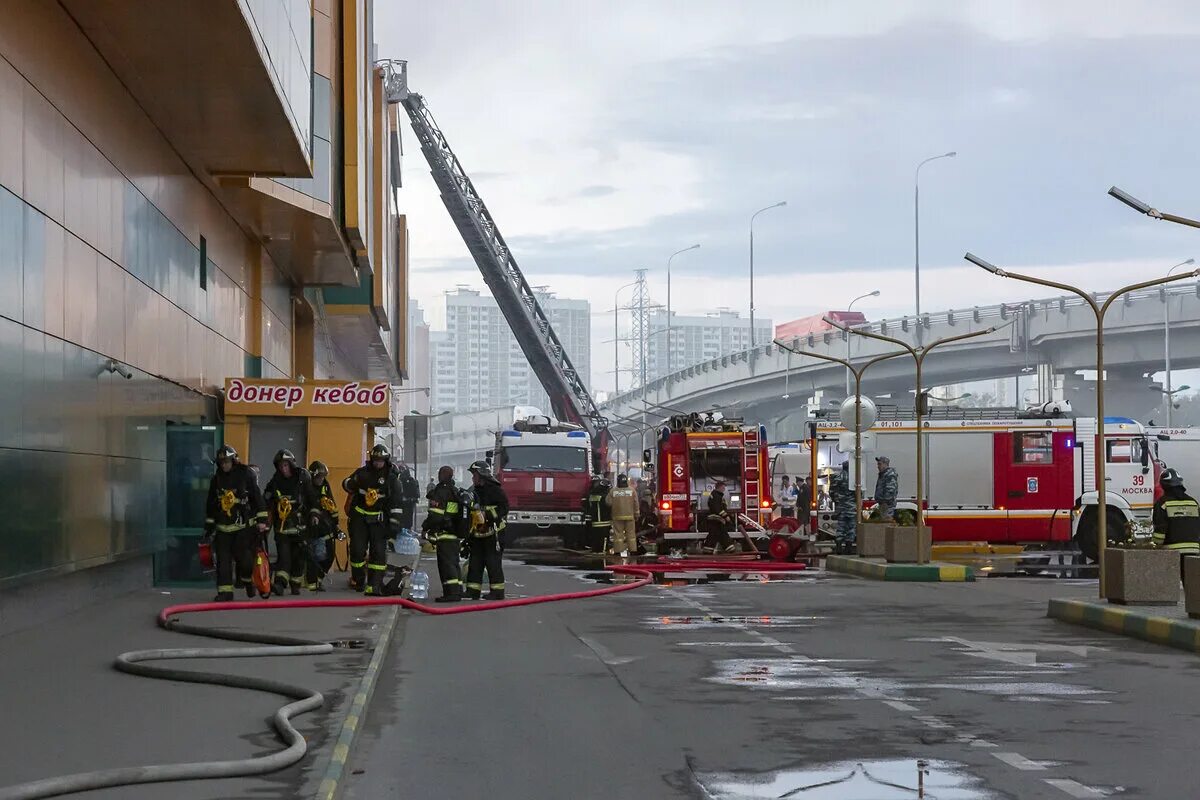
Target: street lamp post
<point x="780" y="204"/>
<point x="848" y="308"/>
<point x="669" y="260"/>
<point x="1100" y="456"/>
<point x="1167" y="342"/>
<point x="917" y="232"/>
<point x="919" y="354"/>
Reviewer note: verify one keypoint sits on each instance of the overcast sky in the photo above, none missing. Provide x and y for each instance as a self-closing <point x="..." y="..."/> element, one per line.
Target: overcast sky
<point x="606" y="135"/>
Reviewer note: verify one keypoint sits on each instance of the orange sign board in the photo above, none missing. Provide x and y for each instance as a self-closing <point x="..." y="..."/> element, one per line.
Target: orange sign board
<point x="257" y="397"/>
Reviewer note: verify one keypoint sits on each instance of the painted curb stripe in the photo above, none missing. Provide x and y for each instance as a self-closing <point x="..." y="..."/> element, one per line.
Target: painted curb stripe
<point x="1177" y="633"/>
<point x="330" y="788"/>
<point x="930" y="573"/>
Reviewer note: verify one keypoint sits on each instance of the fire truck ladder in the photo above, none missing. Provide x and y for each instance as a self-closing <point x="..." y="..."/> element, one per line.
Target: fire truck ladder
<point x="750" y="472"/>
<point x="569" y="397"/>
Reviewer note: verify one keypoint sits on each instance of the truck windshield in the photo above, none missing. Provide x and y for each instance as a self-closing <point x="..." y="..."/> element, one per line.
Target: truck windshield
<point x="558" y="459"/>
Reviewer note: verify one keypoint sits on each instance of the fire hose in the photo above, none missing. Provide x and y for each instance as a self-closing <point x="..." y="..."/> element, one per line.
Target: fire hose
<point x="272" y="645"/>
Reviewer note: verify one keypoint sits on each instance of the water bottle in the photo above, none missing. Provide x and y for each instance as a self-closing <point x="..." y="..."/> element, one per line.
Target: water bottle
<point x="407" y="544"/>
<point x="420" y="585"/>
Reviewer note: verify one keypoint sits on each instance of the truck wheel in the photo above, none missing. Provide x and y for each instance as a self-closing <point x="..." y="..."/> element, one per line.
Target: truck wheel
<point x="1087" y="536"/>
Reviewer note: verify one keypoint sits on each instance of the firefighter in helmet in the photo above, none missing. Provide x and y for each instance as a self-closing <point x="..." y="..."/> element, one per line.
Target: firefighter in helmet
<point x="232" y="511"/>
<point x="489" y="507"/>
<point x="1177" y="518"/>
<point x="624" y="503"/>
<point x="596" y="514"/>
<point x="323" y="528"/>
<point x="443" y="526"/>
<point x="290" y="499"/>
<point x="718" y="522"/>
<point x="374" y="513"/>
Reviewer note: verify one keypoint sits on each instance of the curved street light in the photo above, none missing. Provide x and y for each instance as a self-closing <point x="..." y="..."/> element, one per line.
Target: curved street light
<point x="780" y="204"/>
<point x="1167" y="342"/>
<point x="669" y="260"/>
<point x="1099" y="311"/>
<point x="849" y="307"/>
<point x="917" y="231"/>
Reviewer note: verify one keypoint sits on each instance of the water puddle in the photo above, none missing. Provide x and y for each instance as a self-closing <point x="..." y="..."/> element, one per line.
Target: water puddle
<point x="711" y="621"/>
<point x="895" y="779"/>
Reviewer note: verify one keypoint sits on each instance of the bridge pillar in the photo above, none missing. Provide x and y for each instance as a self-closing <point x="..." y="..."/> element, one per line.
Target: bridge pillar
<point x="1128" y="392"/>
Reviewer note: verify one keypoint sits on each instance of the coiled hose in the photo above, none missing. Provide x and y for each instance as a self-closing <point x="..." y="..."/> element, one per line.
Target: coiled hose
<point x="274" y="645"/>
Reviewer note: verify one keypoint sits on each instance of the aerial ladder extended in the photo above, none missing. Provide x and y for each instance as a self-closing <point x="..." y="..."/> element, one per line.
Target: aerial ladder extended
<point x="569" y="397"/>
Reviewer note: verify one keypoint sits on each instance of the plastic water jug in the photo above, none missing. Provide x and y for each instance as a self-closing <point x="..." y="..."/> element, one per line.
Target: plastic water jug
<point x="420" y="585"/>
<point x="407" y="544"/>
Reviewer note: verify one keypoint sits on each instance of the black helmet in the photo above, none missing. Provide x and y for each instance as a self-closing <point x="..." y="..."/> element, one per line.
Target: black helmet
<point x="226" y="453"/>
<point x="622" y="480"/>
<point x="445" y="473"/>
<point x="1170" y="479"/>
<point x="380" y="451"/>
<point x="285" y="455"/>
<point x="318" y="469"/>
<point x="483" y="468"/>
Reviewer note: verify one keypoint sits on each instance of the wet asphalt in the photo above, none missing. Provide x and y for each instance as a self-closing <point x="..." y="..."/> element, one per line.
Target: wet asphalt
<point x="825" y="686"/>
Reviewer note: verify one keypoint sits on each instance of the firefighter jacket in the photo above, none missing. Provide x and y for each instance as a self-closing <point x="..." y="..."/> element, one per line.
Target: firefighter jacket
<point x="289" y="500"/>
<point x="624" y="503"/>
<point x="445" y="517"/>
<point x="489" y="508"/>
<point x="374" y="494"/>
<point x="717" y="506"/>
<point x="1177" y="522"/>
<point x="326" y="509"/>
<point x="887" y="486"/>
<point x="596" y="504"/>
<point x="410" y="492"/>
<point x="234" y="501"/>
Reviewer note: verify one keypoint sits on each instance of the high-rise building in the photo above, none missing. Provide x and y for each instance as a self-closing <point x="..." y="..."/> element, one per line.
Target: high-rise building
<point x="488" y="367"/>
<point x="698" y="338"/>
<point x="190" y="193"/>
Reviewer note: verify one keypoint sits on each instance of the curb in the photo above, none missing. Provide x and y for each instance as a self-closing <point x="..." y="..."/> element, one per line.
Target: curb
<point x="1182" y="634"/>
<point x="331" y="785"/>
<point x="880" y="571"/>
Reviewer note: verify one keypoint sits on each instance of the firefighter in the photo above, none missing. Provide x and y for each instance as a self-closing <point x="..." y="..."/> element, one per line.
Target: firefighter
<point x="290" y="499"/>
<point x="887" y="486"/>
<point x="489" y="507"/>
<point x="374" y="508"/>
<point x="596" y="515"/>
<point x="443" y="526"/>
<point x="624" y="517"/>
<point x="1177" y="519"/>
<point x="844" y="503"/>
<point x="323" y="527"/>
<point x="233" y="509"/>
<point x="410" y="493"/>
<point x="718" y="522"/>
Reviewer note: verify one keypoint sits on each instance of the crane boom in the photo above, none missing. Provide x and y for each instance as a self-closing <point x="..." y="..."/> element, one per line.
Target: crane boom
<point x="569" y="396"/>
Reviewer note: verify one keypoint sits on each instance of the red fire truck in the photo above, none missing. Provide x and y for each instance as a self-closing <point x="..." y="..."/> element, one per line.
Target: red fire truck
<point x="544" y="467"/>
<point x="694" y="452"/>
<point x="999" y="476"/>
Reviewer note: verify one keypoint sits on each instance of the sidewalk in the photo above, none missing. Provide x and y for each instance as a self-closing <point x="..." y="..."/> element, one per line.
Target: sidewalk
<point x="67" y="710"/>
<point x="1169" y="625"/>
<point x="877" y="569"/>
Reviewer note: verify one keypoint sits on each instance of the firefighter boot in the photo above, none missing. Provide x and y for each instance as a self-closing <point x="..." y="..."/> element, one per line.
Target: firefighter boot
<point x="223" y="597"/>
<point x="473" y="593"/>
<point x="249" y="587"/>
<point x="452" y="593"/>
<point x="374" y="582"/>
<point x="496" y="594"/>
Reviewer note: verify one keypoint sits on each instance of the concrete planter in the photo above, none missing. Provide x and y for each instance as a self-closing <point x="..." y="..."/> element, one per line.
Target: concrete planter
<point x="872" y="540"/>
<point x="1191" y="586"/>
<point x="1141" y="577"/>
<point x="908" y="544"/>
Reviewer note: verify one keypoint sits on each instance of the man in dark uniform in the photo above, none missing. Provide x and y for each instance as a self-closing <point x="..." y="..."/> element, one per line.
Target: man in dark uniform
<point x="323" y="527"/>
<point x="718" y="522"/>
<point x="488" y="510"/>
<point x="597" y="515"/>
<point x="233" y="509"/>
<point x="444" y="527"/>
<point x="374" y="490"/>
<point x="1177" y="519"/>
<point x="290" y="499"/>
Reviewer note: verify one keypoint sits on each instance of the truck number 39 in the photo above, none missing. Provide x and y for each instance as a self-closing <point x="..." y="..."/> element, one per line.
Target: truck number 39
<point x="1138" y="480"/>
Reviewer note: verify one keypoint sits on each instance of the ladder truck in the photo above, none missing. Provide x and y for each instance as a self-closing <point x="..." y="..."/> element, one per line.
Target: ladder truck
<point x="570" y="400"/>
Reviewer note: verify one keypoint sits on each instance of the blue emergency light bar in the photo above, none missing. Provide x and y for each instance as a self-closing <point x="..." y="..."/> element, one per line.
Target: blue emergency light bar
<point x="576" y="434"/>
<point x="511" y="433"/>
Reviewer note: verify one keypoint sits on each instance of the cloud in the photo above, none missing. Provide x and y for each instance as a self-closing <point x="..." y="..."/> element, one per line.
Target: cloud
<point x="597" y="190"/>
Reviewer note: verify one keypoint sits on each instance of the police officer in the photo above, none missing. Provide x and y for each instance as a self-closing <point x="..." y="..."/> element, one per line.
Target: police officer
<point x="718" y="521"/>
<point x="1177" y="519"/>
<point x="596" y="514"/>
<point x="374" y="490"/>
<point x="624" y="517"/>
<point x="443" y="526"/>
<point x="323" y="527"/>
<point x="233" y="508"/>
<point x="887" y="487"/>
<point x="489" y="507"/>
<point x="290" y="499"/>
<point x="844" y="504"/>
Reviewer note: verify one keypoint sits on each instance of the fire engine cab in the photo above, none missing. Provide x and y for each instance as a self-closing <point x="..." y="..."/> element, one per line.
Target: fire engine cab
<point x="694" y="452"/>
<point x="544" y="467"/>
<point x="1002" y="476"/>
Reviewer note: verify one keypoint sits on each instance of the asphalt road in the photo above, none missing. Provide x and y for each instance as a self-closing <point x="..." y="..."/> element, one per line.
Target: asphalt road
<point x="748" y="690"/>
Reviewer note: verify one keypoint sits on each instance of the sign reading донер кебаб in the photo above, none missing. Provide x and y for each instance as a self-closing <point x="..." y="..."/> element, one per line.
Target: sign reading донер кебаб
<point x="284" y="398"/>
